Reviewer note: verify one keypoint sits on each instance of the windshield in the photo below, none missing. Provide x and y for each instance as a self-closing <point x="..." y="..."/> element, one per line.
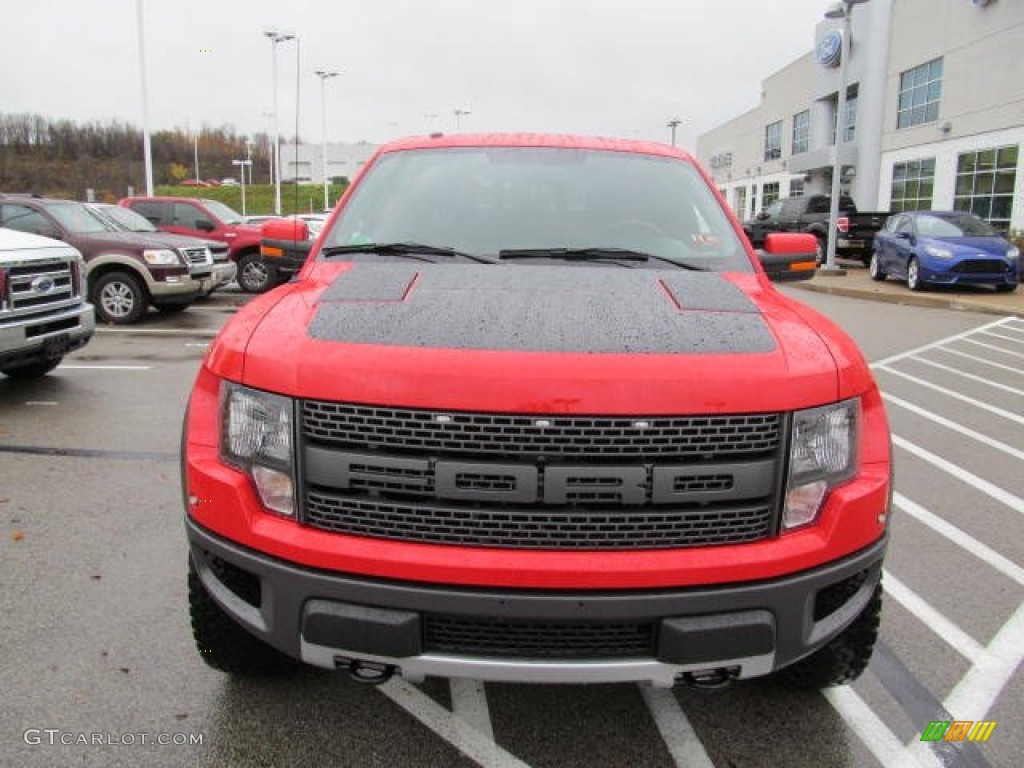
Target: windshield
<point x="127" y="219"/>
<point x="954" y="226"/>
<point x="223" y="212"/>
<point x="77" y="219"/>
<point x="486" y="200"/>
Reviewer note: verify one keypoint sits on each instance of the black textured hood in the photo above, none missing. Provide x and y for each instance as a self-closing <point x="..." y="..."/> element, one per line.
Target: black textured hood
<point x="540" y="309"/>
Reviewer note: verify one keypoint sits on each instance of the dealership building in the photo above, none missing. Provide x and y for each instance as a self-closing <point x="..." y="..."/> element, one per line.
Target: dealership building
<point x="933" y="116"/>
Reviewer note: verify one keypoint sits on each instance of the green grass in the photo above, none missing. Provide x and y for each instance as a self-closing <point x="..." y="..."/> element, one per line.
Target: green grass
<point x="259" y="198"/>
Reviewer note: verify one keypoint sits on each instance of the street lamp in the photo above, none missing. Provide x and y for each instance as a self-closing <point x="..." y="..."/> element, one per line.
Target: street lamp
<point x="324" y="77"/>
<point x="147" y="147"/>
<point x="458" y="116"/>
<point x="674" y="123"/>
<point x="275" y="38"/>
<point x="841" y="10"/>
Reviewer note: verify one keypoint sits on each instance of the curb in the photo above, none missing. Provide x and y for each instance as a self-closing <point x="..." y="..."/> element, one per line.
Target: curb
<point x="913" y="299"/>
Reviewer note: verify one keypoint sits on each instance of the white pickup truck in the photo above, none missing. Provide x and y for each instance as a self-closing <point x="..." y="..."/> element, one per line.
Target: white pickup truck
<point x="43" y="311"/>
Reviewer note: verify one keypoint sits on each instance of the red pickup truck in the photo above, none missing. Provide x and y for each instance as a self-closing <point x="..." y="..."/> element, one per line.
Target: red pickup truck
<point x="533" y="411"/>
<point x="210" y="220"/>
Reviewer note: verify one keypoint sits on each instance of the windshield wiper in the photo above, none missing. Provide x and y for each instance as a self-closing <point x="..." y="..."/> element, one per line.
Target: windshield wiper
<point x="412" y="250"/>
<point x="592" y="254"/>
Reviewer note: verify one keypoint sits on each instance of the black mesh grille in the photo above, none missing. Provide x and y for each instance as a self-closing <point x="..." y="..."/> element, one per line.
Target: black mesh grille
<point x="537" y="639"/>
<point x="562" y="528"/>
<point x="981" y="267"/>
<point x="485" y="434"/>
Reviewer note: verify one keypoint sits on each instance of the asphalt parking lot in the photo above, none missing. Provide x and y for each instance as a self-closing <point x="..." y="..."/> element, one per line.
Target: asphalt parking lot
<point x="92" y="564"/>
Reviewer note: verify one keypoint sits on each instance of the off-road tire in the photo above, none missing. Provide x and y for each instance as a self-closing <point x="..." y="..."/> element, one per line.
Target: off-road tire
<point x="843" y="658"/>
<point x="119" y="298"/>
<point x="33" y="370"/>
<point x="222" y="643"/>
<point x="255" y="275"/>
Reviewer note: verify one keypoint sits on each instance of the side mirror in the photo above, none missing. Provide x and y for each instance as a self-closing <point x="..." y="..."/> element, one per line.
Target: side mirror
<point x="762" y="215"/>
<point x="49" y="231"/>
<point x="205" y="225"/>
<point x="788" y="256"/>
<point x="908" y="236"/>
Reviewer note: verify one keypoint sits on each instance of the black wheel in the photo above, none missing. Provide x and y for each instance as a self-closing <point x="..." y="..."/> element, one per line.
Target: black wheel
<point x="914" y="281"/>
<point x="1006" y="287"/>
<point x="33" y="370"/>
<point x="222" y="643"/>
<point x="119" y="298"/>
<point x="844" y="658"/>
<point x="875" y="268"/>
<point x="255" y="275"/>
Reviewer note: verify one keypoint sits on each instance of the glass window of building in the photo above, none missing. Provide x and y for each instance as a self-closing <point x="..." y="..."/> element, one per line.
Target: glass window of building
<point x="850" y="116"/>
<point x="913" y="183"/>
<point x="801" y="132"/>
<point x="796" y="187"/>
<point x="920" y="93"/>
<point x="984" y="184"/>
<point x="739" y="206"/>
<point x="773" y="141"/>
<point x="769" y="194"/>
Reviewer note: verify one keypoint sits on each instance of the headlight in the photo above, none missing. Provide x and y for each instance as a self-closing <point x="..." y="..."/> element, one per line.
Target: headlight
<point x="162" y="258"/>
<point x="822" y="454"/>
<point x="1013" y="254"/>
<point x="938" y="253"/>
<point x="256" y="437"/>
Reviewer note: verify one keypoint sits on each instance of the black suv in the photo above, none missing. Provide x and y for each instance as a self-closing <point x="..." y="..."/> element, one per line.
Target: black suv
<point x="126" y="272"/>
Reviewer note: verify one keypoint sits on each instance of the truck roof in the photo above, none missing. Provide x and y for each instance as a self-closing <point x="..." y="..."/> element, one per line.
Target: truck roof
<point x="564" y="141"/>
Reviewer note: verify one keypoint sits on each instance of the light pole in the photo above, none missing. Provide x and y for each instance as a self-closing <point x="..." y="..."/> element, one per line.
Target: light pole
<point x="842" y="10"/>
<point x="195" y="153"/>
<point x="674" y="123"/>
<point x="147" y="148"/>
<point x="324" y="77"/>
<point x="241" y="167"/>
<point x="458" y="116"/>
<point x="275" y="38"/>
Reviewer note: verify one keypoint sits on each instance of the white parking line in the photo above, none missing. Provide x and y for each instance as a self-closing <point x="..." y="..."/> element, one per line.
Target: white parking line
<point x="1014" y="339"/>
<point x="978" y="690"/>
<point x="72" y="367"/>
<point x="991" y="442"/>
<point x="469" y="702"/>
<point x="955" y="637"/>
<point x="994" y="348"/>
<point x="975" y="358"/>
<point x="875" y="734"/>
<point x="683" y="743"/>
<point x="1001" y="412"/>
<point x="989" y="489"/>
<point x="971" y="376"/>
<point x="449" y="727"/>
<point x="941" y="342"/>
<point x="959" y="537"/>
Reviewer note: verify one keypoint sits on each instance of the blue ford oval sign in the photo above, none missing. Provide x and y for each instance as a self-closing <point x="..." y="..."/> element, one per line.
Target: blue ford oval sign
<point x="830" y="49"/>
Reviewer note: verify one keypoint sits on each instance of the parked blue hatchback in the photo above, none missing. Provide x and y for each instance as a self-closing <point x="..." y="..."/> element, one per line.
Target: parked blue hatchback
<point x="944" y="248"/>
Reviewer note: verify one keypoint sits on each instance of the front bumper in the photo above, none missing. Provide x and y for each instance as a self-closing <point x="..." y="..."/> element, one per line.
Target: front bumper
<point x="45" y="336"/>
<point x="331" y="619"/>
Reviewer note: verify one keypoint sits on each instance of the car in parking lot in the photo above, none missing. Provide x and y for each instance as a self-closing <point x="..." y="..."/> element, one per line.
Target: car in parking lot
<point x="128" y="220"/>
<point x="210" y="220"/>
<point x="126" y="272"/>
<point x="944" y="248"/>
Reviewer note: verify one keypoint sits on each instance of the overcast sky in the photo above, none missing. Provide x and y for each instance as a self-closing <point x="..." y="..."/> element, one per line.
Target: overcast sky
<point x="608" y="67"/>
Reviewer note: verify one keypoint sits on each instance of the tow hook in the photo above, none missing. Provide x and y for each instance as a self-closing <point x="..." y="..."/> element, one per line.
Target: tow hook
<point x="708" y="679"/>
<point x="369" y="672"/>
